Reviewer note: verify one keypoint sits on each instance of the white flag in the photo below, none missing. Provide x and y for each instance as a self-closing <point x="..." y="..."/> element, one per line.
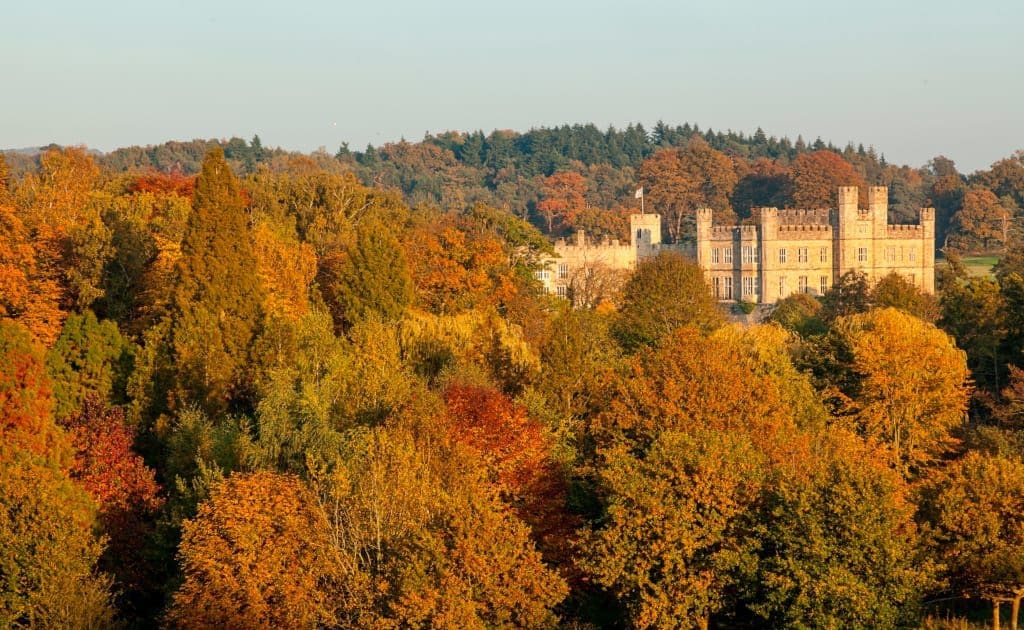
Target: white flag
<point x="639" y="193"/>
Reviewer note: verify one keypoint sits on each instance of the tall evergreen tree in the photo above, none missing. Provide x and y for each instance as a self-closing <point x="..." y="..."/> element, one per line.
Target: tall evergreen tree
<point x="216" y="305"/>
<point x="373" y="279"/>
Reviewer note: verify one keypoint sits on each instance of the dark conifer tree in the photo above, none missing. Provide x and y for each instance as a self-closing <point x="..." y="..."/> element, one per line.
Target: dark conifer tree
<point x="372" y="281"/>
<point x="216" y="308"/>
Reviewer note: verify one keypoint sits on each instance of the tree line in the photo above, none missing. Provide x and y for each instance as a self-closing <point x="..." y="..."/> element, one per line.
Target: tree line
<point x="579" y="177"/>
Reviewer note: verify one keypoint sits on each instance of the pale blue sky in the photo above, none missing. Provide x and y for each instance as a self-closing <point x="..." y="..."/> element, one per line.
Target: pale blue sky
<point x="915" y="79"/>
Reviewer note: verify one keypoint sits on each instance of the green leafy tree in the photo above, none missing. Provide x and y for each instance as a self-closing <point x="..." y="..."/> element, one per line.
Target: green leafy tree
<point x="897" y="292"/>
<point x="216" y="305"/>
<point x="838" y="545"/>
<point x="665" y="293"/>
<point x="578" y="361"/>
<point x="975" y="515"/>
<point x="799" y="312"/>
<point x="48" y="554"/>
<point x="849" y="295"/>
<point x="672" y="547"/>
<point x="373" y="279"/>
<point x="974" y="312"/>
<point x="89" y="358"/>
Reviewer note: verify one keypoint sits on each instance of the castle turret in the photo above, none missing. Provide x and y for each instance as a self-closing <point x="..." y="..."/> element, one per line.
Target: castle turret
<point x="878" y="208"/>
<point x="768" y="221"/>
<point x="645" y="233"/>
<point x="926" y="217"/>
<point x="704" y="238"/>
<point x="847" y="205"/>
<point x="845" y="233"/>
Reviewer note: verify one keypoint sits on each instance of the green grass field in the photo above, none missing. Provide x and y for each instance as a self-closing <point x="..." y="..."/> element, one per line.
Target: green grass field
<point x="980" y="265"/>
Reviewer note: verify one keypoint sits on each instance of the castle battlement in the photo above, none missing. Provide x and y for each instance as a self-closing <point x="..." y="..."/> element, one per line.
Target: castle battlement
<point x="797" y="216"/>
<point x="810" y="230"/>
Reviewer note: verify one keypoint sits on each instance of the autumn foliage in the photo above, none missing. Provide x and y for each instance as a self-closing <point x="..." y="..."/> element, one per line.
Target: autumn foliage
<point x="257" y="555"/>
<point x="252" y="389"/>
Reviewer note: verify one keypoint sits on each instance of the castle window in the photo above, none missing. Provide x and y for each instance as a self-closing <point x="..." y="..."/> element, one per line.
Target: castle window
<point x="782" y="254"/>
<point x="890" y="254"/>
<point x="563" y="270"/>
<point x="862" y="254"/>
<point x="782" y="286"/>
<point x="727" y="287"/>
<point x="543" y="275"/>
<point x="749" y="254"/>
<point x="802" y="284"/>
<point x="728" y="255"/>
<point x="913" y="254"/>
<point x="714" y="256"/>
<point x="913" y="279"/>
<point x="824" y="285"/>
<point x="824" y="254"/>
<point x="716" y="284"/>
<point x="750" y="288"/>
<point x="561" y="291"/>
<point x="801" y="254"/>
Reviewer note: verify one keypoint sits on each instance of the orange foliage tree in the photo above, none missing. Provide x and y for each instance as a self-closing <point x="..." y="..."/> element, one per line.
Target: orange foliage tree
<point x="174" y="183"/>
<point x="679" y="181"/>
<point x="257" y="555"/>
<point x="286" y="269"/>
<point x="982" y="220"/>
<point x="454" y="270"/>
<point x="26" y="398"/>
<point x="516" y="450"/>
<point x="563" y="195"/>
<point x="817" y="176"/>
<point x="26" y="293"/>
<point x="121" y="484"/>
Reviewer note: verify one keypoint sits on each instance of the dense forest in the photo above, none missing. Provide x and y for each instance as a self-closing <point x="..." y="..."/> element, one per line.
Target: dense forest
<point x="250" y="388"/>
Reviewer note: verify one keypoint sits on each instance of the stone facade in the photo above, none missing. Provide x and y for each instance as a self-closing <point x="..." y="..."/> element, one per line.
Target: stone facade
<point x="803" y="251"/>
<point x="779" y="253"/>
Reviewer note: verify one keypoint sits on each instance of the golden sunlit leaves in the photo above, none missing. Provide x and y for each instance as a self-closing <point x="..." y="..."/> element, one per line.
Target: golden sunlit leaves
<point x="257" y="555"/>
<point x="913" y="383"/>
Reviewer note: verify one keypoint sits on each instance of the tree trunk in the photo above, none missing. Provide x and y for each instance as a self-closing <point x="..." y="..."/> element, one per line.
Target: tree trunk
<point x="995" y="614"/>
<point x="1014" y="611"/>
<point x="703" y="622"/>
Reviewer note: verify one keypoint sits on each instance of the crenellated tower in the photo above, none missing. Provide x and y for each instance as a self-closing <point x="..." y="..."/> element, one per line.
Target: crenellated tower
<point x="846" y="231"/>
<point x="704" y="237"/>
<point x="645" y="234"/>
<point x="878" y="208"/>
<point x="926" y="217"/>
<point x="768" y="223"/>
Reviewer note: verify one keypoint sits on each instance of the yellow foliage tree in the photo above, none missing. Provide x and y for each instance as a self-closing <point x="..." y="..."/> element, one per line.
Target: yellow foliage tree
<point x="425" y="541"/>
<point x="911" y="386"/>
<point x="286" y="269"/>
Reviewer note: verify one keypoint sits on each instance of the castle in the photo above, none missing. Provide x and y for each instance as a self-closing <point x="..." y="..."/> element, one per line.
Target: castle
<point x="779" y="253"/>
